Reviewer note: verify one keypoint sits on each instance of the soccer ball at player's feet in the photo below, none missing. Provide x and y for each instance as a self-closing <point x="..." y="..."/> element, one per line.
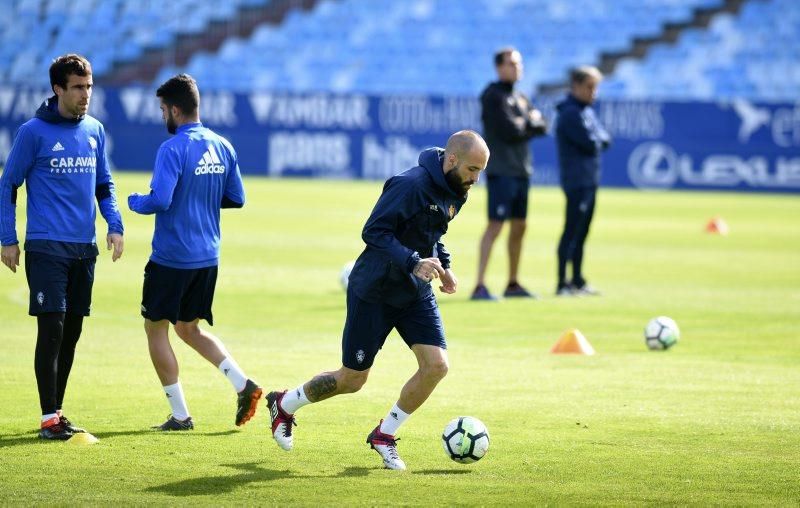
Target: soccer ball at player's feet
<point x="661" y="333"/>
<point x="465" y="439"/>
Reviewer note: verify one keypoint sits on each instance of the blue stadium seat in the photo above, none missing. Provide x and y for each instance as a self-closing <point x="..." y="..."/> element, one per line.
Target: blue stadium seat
<point x="386" y="46"/>
<point x="751" y="54"/>
<point x="116" y="30"/>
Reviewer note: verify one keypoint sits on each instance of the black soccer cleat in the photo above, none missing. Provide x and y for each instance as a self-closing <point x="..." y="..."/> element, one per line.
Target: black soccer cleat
<point x="515" y="290"/>
<point x="174" y="424"/>
<point x="55" y="431"/>
<point x="481" y="293"/>
<point x="69" y="426"/>
<point x="247" y="402"/>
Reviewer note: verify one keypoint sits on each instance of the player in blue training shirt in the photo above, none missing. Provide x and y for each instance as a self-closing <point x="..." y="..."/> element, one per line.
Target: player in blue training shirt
<point x="60" y="155"/>
<point x="196" y="174"/>
<point x="389" y="287"/>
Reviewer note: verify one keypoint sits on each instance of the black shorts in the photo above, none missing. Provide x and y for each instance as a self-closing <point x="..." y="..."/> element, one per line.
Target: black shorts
<point x="59" y="284"/>
<point x="177" y="294"/>
<point x="368" y="324"/>
<point x="508" y="197"/>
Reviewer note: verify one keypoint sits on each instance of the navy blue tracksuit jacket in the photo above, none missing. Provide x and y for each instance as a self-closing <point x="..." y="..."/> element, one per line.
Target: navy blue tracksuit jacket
<point x="406" y="225"/>
<point x="580" y="138"/>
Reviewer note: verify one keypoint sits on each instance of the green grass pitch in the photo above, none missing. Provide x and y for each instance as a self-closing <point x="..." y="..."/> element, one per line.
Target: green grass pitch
<point x="715" y="420"/>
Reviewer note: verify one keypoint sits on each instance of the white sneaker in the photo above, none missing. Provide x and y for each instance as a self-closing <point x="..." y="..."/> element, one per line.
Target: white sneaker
<point x="282" y="421"/>
<point x="587" y="290"/>
<point x="386" y="446"/>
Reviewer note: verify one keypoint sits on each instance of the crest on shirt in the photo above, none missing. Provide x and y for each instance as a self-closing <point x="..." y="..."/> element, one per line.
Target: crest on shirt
<point x="452" y="211"/>
<point x="93" y="143"/>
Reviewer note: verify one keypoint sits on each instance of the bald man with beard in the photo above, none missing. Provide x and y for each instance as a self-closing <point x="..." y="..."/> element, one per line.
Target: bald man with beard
<point x="390" y="288"/>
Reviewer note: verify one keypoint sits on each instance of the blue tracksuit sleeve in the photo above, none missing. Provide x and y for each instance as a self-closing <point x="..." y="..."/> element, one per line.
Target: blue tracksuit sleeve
<point x="572" y="126"/>
<point x="234" y="188"/>
<point x="393" y="207"/>
<point x="20" y="160"/>
<point x="443" y="254"/>
<point x="165" y="178"/>
<point x="105" y="192"/>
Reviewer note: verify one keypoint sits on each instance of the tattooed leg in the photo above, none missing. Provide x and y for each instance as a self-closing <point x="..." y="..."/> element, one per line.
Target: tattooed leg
<point x="321" y="387"/>
<point x="329" y="384"/>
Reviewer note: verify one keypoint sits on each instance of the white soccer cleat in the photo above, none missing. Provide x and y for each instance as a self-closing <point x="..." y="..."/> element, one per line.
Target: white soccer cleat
<point x="282" y="421"/>
<point x="386" y="446"/>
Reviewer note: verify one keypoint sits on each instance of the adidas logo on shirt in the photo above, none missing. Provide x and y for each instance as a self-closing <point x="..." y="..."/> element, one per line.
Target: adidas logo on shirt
<point x="209" y="163"/>
<point x="58" y="147"/>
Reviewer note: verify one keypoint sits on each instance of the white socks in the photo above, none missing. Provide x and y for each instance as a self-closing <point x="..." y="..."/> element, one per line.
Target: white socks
<point x="47" y="418"/>
<point x="176" y="401"/>
<point x="394" y="420"/>
<point x="175" y="392"/>
<point x="294" y="400"/>
<point x="234" y="374"/>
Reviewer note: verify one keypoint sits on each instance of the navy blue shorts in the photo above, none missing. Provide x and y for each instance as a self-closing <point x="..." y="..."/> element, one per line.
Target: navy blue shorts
<point x="59" y="284"/>
<point x="508" y="197"/>
<point x="178" y="294"/>
<point x="368" y="325"/>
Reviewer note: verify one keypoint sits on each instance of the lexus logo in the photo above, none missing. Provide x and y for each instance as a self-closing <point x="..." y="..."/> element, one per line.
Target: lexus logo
<point x="653" y="165"/>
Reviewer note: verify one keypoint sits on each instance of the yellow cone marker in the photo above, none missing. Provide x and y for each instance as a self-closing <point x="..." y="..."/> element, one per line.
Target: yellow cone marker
<point x="83" y="438"/>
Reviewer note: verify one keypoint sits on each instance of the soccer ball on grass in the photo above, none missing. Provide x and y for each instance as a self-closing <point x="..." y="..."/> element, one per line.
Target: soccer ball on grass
<point x="465" y="439"/>
<point x="661" y="333"/>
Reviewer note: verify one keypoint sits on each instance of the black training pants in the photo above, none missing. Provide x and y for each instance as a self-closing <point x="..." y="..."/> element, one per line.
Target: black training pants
<point x="580" y="209"/>
<point x="57" y="337"/>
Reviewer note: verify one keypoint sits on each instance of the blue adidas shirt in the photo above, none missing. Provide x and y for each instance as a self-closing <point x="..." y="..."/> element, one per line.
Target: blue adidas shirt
<point x="63" y="164"/>
<point x="195" y="175"/>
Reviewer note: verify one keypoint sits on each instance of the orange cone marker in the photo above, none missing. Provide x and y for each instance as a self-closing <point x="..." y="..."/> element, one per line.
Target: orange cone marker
<point x="717" y="226"/>
<point x="573" y="341"/>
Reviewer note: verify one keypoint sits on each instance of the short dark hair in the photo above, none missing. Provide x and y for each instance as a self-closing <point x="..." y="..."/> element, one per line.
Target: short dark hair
<point x="500" y="55"/>
<point x="579" y="75"/>
<point x="65" y="65"/>
<point x="180" y="91"/>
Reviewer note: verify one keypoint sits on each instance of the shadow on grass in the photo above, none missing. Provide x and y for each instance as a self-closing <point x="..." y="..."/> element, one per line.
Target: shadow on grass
<point x="251" y="472"/>
<point x="442" y="471"/>
<point x="220" y="433"/>
<point x="352" y="472"/>
<point x="213" y="485"/>
<point x="25" y="438"/>
<point x="32" y="437"/>
<point x="154" y="432"/>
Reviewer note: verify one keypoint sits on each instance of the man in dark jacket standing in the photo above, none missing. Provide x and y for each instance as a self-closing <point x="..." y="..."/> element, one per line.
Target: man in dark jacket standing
<point x="580" y="138"/>
<point x="390" y="288"/>
<point x="509" y="123"/>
